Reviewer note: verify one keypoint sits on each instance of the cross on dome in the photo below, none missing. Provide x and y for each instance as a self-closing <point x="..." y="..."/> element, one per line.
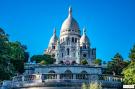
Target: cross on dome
<point x="70" y="11"/>
<point x="54" y="31"/>
<point x="84" y="31"/>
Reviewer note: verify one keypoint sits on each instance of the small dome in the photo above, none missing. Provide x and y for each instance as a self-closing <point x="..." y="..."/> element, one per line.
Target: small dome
<point x="70" y="23"/>
<point x="53" y="39"/>
<point x="84" y="39"/>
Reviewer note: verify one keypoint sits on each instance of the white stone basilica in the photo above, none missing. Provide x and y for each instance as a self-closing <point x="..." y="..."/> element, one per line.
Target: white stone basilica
<point x="71" y="47"/>
<point x="67" y="72"/>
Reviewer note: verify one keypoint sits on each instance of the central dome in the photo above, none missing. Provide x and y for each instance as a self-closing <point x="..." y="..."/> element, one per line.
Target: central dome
<point x="70" y="25"/>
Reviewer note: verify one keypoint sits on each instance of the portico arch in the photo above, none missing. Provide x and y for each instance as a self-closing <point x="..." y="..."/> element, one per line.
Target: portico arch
<point x="52" y="74"/>
<point x="82" y="75"/>
<point x="68" y="74"/>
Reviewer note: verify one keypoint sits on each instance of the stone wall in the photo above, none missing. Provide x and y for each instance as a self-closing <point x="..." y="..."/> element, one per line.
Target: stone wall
<point x="53" y="88"/>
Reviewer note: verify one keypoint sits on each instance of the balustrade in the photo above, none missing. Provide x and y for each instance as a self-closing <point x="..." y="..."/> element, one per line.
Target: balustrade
<point x="110" y="78"/>
<point x="54" y="76"/>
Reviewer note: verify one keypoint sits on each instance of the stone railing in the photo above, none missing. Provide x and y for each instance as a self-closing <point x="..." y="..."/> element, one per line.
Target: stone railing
<point x="52" y="78"/>
<point x="110" y="78"/>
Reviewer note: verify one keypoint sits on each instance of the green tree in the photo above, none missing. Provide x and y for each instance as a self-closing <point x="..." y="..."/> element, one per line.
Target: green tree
<point x="39" y="59"/>
<point x="84" y="62"/>
<point x="6" y="68"/>
<point x="18" y="55"/>
<point x="129" y="71"/>
<point x="98" y="61"/>
<point x="116" y="66"/>
<point x="43" y="62"/>
<point x="132" y="54"/>
<point x="26" y="54"/>
<point x="129" y="74"/>
<point x="11" y="57"/>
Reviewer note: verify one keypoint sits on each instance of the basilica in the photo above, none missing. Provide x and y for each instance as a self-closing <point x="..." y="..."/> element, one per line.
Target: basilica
<point x="68" y="71"/>
<point x="71" y="47"/>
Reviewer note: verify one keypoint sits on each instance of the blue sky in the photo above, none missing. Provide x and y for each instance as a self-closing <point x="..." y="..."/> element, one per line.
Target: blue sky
<point x="110" y="24"/>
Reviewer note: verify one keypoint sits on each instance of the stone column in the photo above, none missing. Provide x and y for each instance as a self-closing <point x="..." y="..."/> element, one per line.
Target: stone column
<point x="74" y="76"/>
<point x="57" y="53"/>
<point x="78" y="52"/>
<point x="58" y="76"/>
<point x="22" y="78"/>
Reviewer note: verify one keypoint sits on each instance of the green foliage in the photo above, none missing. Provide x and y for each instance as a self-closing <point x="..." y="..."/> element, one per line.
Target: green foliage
<point x="92" y="85"/>
<point x="43" y="62"/>
<point x="129" y="71"/>
<point x="84" y="86"/>
<point x="132" y="54"/>
<point x="95" y="85"/>
<point x="17" y="51"/>
<point x="18" y="55"/>
<point x="26" y="54"/>
<point x="11" y="57"/>
<point x="4" y="57"/>
<point x="84" y="62"/>
<point x="129" y="74"/>
<point x="40" y="58"/>
<point x="116" y="66"/>
<point x="98" y="61"/>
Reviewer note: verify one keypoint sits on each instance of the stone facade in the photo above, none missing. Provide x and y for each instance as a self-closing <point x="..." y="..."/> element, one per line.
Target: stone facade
<point x="71" y="47"/>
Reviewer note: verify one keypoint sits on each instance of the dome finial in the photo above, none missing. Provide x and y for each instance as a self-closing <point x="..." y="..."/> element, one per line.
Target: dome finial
<point x="70" y="11"/>
<point x="84" y="31"/>
<point x="54" y="31"/>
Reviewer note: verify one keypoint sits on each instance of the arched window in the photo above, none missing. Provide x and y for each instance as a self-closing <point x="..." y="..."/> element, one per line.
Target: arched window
<point x="52" y="75"/>
<point x="75" y="40"/>
<point x="84" y="55"/>
<point x="67" y="51"/>
<point x="73" y="62"/>
<point x="68" y="74"/>
<point x="84" y="47"/>
<point x="62" y="55"/>
<point x="51" y="71"/>
<point x="72" y="39"/>
<point x="81" y="47"/>
<point x="68" y="40"/>
<point x="84" y="75"/>
<point x="69" y="29"/>
<point x="53" y="55"/>
<point x="53" y="47"/>
<point x="61" y="62"/>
